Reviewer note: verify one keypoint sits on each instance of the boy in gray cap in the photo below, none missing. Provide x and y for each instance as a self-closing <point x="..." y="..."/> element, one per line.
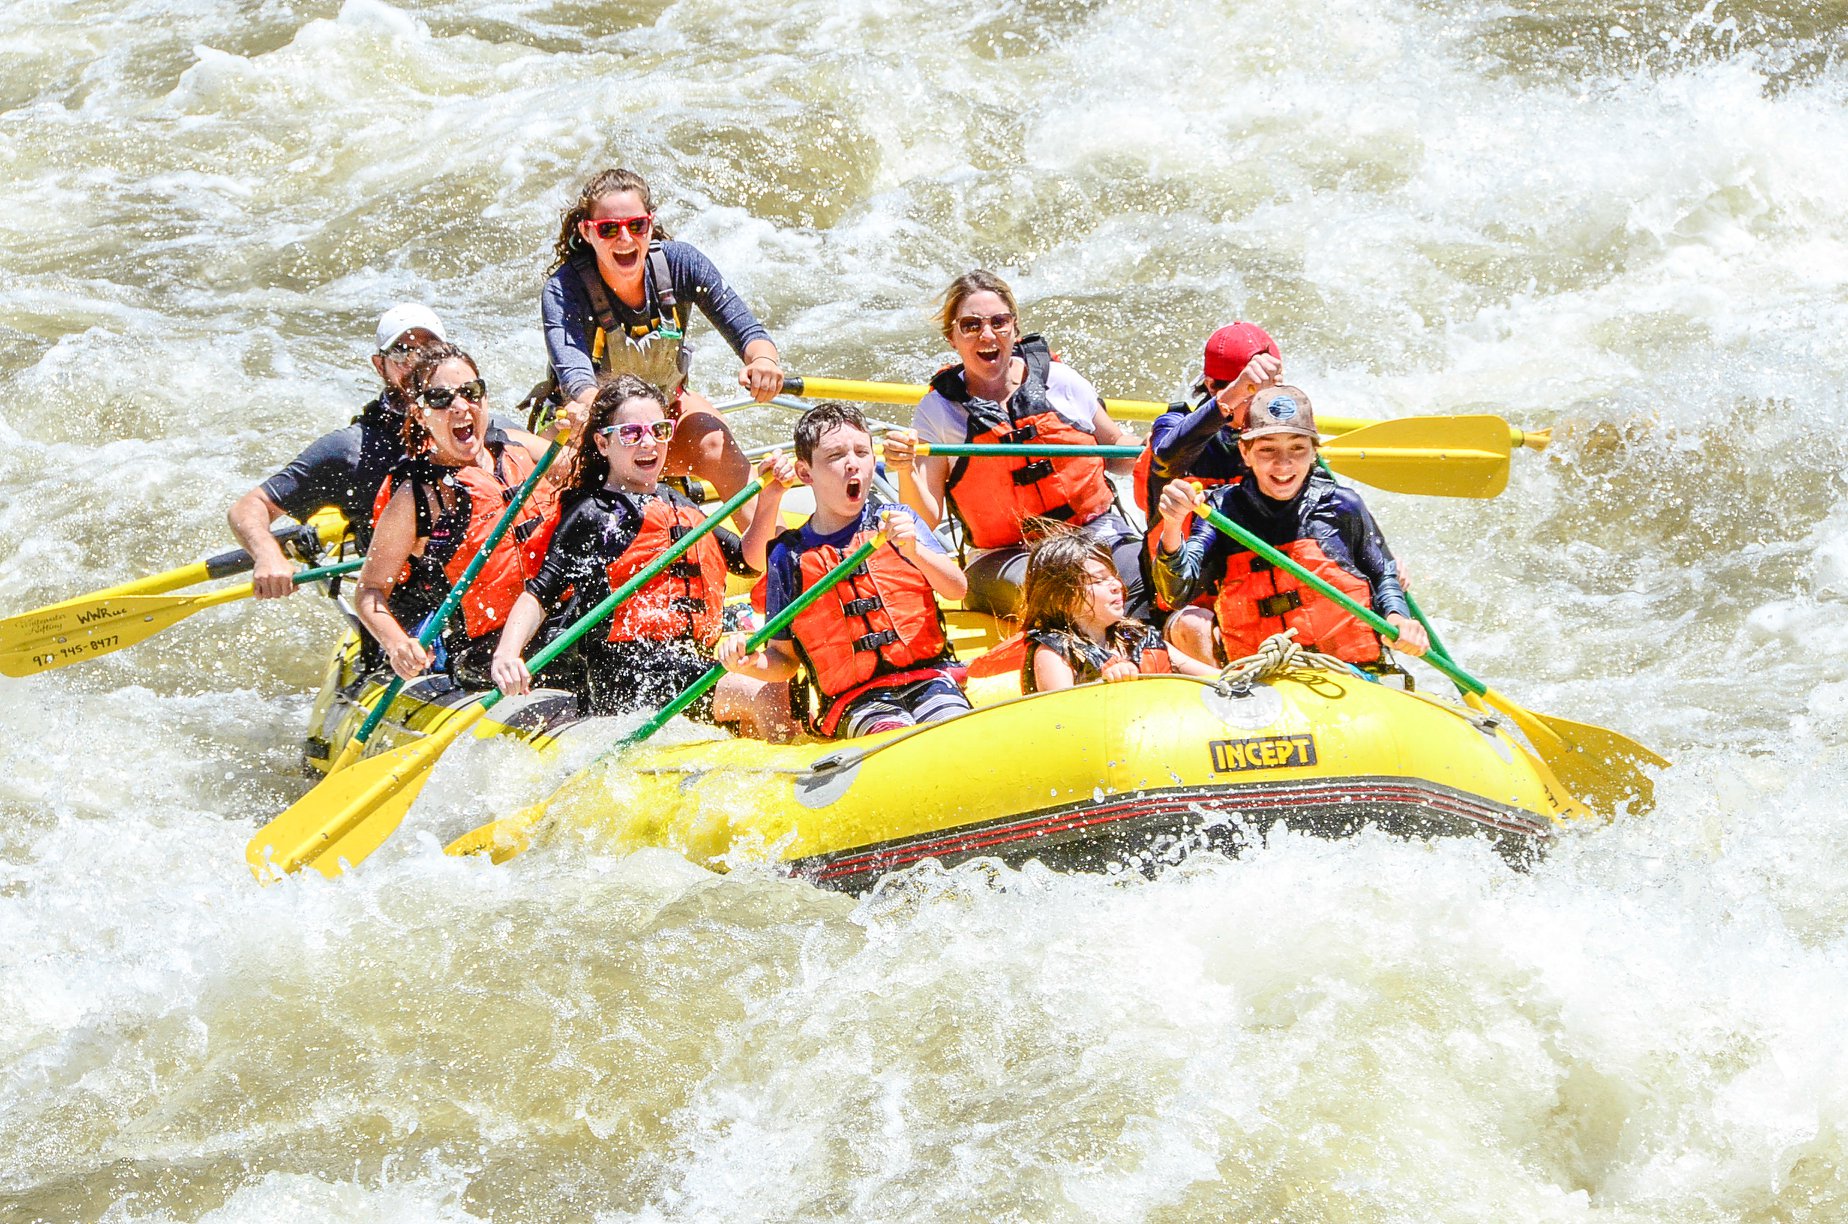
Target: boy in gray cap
<point x="1290" y="504"/>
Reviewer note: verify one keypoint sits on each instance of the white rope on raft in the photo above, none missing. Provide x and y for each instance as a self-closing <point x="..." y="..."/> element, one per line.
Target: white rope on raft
<point x="1278" y="656"/>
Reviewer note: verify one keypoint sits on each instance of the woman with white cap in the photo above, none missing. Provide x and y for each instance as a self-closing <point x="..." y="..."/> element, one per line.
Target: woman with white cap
<point x="1297" y="509"/>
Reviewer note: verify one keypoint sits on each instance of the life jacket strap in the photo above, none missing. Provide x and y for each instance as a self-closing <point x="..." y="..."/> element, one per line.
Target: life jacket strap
<point x="873" y="641"/>
<point x="1279" y="605"/>
<point x="863" y="607"/>
<point x="1033" y="472"/>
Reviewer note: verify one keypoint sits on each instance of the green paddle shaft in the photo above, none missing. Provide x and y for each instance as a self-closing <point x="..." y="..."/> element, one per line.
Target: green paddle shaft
<point x="1437" y="644"/>
<point x="775" y="625"/>
<point x="433" y="628"/>
<point x="1365" y="615"/>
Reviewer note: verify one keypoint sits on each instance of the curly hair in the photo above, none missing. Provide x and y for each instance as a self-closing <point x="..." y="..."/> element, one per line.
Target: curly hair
<point x="591" y="469"/>
<point x="417" y="375"/>
<point x="602" y="183"/>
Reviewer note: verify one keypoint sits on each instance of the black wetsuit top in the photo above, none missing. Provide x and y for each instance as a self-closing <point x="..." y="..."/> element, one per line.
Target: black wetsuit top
<point x="1330" y="514"/>
<point x="614" y="677"/>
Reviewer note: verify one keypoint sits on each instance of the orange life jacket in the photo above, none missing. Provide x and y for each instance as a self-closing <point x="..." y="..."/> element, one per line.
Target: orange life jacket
<point x="876" y="627"/>
<point x="994" y="496"/>
<point x="1256" y="600"/>
<point x="481" y="497"/>
<point x="686" y="600"/>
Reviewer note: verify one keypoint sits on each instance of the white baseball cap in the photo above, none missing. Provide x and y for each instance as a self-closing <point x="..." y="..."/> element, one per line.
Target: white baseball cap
<point x="404" y="317"/>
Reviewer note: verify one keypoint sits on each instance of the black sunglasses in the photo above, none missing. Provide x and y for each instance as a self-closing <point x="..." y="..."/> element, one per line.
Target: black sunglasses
<point x="439" y="398"/>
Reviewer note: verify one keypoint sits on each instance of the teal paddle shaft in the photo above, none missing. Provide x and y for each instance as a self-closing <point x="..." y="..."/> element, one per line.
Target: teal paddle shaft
<point x="433" y="628"/>
<point x="776" y="625"/>
<point x="985" y="450"/>
<point x="1366" y="616"/>
<point x="325" y="572"/>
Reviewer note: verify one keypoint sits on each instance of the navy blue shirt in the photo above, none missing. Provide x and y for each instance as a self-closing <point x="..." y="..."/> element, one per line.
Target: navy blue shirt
<point x="344" y="469"/>
<point x="1188" y="441"/>
<point x="565" y="312"/>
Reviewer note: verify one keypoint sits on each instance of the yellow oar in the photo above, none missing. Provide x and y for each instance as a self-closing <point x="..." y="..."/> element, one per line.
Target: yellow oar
<point x="1120" y="409"/>
<point x="1596" y="764"/>
<point x="349" y="814"/>
<point x="71" y="615"/>
<point x="104" y="626"/>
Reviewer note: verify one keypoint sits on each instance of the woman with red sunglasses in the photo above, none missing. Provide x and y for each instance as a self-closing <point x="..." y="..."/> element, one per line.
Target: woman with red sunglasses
<point x="1009" y="388"/>
<point x="618" y="301"/>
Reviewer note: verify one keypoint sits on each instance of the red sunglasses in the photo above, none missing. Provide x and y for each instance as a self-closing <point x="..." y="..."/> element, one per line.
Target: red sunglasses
<point x="609" y="227"/>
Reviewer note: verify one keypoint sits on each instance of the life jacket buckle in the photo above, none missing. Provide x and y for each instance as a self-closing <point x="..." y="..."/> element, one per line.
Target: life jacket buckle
<point x="1279" y="605"/>
<point x="863" y="607"/>
<point x="873" y="641"/>
<point x="1259" y="565"/>
<point x="684" y="569"/>
<point x="1026" y="433"/>
<point x="676" y="530"/>
<point x="1033" y="472"/>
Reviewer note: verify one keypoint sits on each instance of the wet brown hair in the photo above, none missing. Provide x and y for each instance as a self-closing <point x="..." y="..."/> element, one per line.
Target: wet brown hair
<point x="967" y="285"/>
<point x="417" y="375"/>
<point x="602" y="183"/>
<point x="591" y="470"/>
<point x="822" y="420"/>
<point x="1053" y="596"/>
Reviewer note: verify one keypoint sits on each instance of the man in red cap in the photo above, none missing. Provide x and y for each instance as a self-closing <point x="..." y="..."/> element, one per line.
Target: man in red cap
<point x="1199" y="439"/>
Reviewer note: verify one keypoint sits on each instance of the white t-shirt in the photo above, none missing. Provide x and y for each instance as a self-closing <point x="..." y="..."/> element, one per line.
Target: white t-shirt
<point x="1069" y="393"/>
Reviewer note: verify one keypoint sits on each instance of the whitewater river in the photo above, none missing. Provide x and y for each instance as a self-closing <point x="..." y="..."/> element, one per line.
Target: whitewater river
<point x="1624" y="222"/>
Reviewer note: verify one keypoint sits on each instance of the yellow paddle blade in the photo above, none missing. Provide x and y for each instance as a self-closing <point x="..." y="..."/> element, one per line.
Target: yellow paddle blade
<point x="1452" y="456"/>
<point x="349" y="814"/>
<point x="1600" y="766"/>
<point x="502" y="839"/>
<point x="63" y="634"/>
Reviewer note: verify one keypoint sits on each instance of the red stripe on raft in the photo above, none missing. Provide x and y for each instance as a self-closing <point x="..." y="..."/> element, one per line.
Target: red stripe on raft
<point x="1432" y="801"/>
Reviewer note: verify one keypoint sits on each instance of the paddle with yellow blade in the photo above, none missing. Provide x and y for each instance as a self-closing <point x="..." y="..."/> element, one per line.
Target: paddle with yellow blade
<point x="349" y="814"/>
<point x="502" y="839"/>
<point x="71" y="616"/>
<point x="439" y="620"/>
<point x="1597" y="765"/>
<point x="1458" y="456"/>
<point x="1119" y="409"/>
<point x="88" y="630"/>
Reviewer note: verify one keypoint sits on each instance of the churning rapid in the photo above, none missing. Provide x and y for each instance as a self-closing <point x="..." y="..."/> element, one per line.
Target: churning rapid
<point x="1626" y="224"/>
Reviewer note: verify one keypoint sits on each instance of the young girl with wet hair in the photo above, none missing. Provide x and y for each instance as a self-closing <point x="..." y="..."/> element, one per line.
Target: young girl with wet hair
<point x="619" y="517"/>
<point x="618" y="301"/>
<point x="1075" y="630"/>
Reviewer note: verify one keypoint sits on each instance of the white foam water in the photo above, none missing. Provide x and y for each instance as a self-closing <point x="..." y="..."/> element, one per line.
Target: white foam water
<point x="1627" y="227"/>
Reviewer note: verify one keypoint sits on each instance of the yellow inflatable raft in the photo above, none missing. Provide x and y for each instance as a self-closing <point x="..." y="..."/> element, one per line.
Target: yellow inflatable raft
<point x="1134" y="773"/>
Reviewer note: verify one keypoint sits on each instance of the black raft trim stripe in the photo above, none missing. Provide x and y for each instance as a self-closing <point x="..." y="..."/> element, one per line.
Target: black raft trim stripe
<point x="1429" y="798"/>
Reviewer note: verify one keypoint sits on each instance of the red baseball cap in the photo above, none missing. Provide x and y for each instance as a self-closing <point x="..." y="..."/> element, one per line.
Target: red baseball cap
<point x="1230" y="349"/>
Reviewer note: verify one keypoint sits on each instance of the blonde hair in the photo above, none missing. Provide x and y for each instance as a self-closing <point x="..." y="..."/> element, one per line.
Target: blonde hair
<point x="968" y="285"/>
